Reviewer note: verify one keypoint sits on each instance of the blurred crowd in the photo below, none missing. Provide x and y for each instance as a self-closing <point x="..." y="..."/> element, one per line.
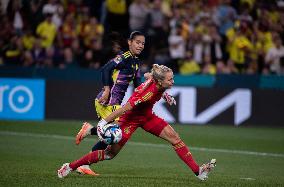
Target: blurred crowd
<point x="190" y="36"/>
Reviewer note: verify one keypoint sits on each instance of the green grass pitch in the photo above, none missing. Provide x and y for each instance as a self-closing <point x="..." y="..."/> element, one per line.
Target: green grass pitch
<point x="31" y="153"/>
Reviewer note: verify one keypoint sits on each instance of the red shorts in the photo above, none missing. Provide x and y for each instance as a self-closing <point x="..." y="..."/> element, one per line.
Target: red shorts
<point x="150" y="123"/>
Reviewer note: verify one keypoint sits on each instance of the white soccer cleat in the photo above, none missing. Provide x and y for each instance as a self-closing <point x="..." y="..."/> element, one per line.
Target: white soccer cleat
<point x="85" y="131"/>
<point x="64" y="170"/>
<point x="86" y="170"/>
<point x="205" y="169"/>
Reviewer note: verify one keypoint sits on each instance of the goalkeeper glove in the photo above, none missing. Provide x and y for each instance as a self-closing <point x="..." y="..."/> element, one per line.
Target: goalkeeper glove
<point x="169" y="99"/>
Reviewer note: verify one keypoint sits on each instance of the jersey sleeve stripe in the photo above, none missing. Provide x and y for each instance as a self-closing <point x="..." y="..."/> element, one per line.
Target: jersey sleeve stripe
<point x="147" y="96"/>
<point x="126" y="54"/>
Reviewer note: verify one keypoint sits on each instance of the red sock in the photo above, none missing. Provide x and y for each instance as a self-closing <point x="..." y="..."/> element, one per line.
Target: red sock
<point x="183" y="152"/>
<point x="88" y="159"/>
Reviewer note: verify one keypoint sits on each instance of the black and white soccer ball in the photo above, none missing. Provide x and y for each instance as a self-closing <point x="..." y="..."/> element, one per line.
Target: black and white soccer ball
<point x="109" y="133"/>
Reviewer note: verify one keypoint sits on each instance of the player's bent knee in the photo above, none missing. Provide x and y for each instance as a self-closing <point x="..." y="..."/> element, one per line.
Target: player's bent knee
<point x="175" y="139"/>
<point x="170" y="135"/>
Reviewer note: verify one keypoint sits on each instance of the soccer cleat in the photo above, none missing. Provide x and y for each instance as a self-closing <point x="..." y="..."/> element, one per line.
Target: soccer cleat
<point x="205" y="169"/>
<point x="64" y="170"/>
<point x="86" y="170"/>
<point x="85" y="131"/>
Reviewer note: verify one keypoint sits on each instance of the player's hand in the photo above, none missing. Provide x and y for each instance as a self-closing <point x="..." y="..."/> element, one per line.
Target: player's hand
<point x="169" y="99"/>
<point x="104" y="98"/>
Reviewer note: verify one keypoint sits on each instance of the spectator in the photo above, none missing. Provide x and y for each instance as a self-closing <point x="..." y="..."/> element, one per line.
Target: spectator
<point x="235" y="43"/>
<point x="225" y="17"/>
<point x="38" y="53"/>
<point x="90" y="32"/>
<point x="157" y="25"/>
<point x="208" y="67"/>
<point x="54" y="8"/>
<point x="239" y="46"/>
<point x="263" y="42"/>
<point x="215" y="44"/>
<point x="188" y="65"/>
<point x="274" y="57"/>
<point x="174" y="21"/>
<point x="117" y="16"/>
<point x="138" y="12"/>
<point x="16" y="16"/>
<point x="67" y="32"/>
<point x="33" y="10"/>
<point x="54" y="57"/>
<point x="222" y="68"/>
<point x="46" y="30"/>
<point x="28" y="40"/>
<point x="13" y="51"/>
<point x="177" y="49"/>
<point x="68" y="60"/>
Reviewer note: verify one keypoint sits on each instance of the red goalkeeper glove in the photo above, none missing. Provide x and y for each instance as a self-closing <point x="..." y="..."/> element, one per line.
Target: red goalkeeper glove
<point x="169" y="99"/>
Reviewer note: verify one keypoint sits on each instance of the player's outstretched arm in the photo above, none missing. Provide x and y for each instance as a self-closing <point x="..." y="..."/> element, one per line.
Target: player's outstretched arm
<point x="115" y="114"/>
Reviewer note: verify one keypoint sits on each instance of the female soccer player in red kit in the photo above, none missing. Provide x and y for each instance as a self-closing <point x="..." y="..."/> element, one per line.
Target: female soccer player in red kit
<point x="137" y="112"/>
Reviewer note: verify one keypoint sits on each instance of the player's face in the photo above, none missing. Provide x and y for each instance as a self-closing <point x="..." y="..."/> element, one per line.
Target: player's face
<point x="136" y="45"/>
<point x="168" y="82"/>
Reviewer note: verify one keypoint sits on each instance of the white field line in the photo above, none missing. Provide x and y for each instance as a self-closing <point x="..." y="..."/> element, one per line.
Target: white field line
<point x="248" y="179"/>
<point x="10" y="133"/>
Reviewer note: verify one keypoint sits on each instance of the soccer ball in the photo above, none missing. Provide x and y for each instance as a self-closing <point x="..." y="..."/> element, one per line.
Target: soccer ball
<point x="109" y="133"/>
